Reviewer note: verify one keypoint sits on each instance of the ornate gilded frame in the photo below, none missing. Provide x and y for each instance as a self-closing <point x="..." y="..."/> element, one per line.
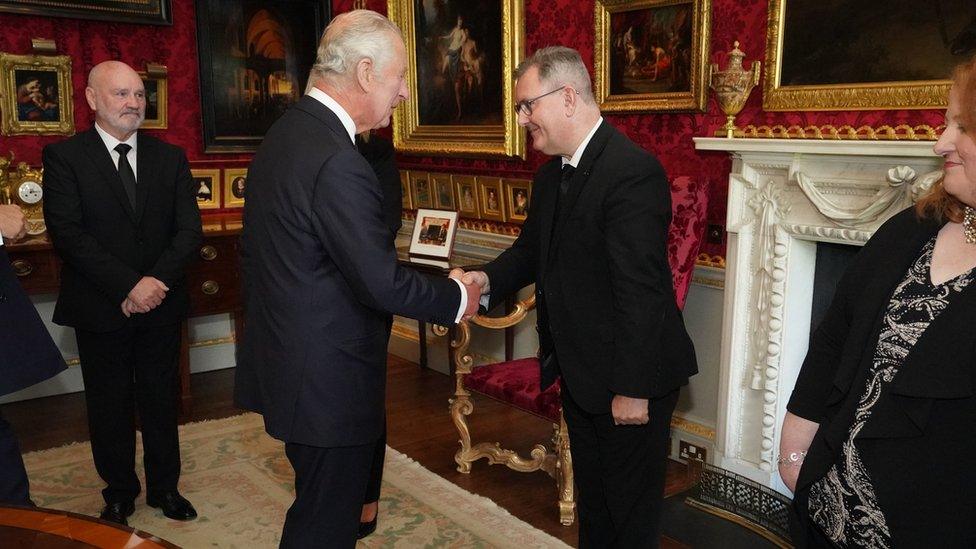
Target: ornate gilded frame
<point x="693" y="100"/>
<point x="230" y="174"/>
<point x="503" y="140"/>
<point x="213" y="175"/>
<point x="923" y="94"/>
<point x="139" y="12"/>
<point x="161" y="121"/>
<point x="58" y="64"/>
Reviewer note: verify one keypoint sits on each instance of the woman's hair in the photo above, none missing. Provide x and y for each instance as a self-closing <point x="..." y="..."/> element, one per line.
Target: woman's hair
<point x="939" y="204"/>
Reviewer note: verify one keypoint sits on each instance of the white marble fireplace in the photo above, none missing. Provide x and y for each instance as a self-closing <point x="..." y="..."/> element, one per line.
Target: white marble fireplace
<point x="784" y="197"/>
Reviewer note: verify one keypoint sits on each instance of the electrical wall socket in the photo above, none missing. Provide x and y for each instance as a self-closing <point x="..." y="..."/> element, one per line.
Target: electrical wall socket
<point x="688" y="451"/>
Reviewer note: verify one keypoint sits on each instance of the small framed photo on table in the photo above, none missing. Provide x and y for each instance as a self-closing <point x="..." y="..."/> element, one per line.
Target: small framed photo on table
<point x="433" y="235"/>
<point x="207" y="184"/>
<point x="235" y="181"/>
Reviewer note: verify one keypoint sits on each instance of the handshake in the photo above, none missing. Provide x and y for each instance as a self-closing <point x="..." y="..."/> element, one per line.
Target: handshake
<point x="476" y="284"/>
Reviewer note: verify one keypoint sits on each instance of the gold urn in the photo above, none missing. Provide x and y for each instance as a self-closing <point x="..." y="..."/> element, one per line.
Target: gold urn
<point x="732" y="87"/>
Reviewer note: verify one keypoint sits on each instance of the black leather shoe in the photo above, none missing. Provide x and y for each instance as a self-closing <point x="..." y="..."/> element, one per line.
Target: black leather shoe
<point x="366" y="528"/>
<point x="117" y="512"/>
<point x="174" y="505"/>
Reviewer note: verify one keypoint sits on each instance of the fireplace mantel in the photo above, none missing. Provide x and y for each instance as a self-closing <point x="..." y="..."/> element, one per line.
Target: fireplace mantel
<point x="785" y="196"/>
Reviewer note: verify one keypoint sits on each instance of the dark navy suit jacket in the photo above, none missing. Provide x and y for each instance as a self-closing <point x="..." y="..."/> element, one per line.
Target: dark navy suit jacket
<point x="320" y="278"/>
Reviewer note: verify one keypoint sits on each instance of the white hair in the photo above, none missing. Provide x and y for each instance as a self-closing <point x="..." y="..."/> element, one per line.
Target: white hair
<point x="350" y="38"/>
<point x="560" y="65"/>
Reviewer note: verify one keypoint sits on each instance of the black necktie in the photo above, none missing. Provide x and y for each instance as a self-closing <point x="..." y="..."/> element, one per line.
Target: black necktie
<point x="125" y="173"/>
<point x="564" y="178"/>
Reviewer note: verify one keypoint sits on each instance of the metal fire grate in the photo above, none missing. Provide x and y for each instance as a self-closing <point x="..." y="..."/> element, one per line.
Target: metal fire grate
<point x="737" y="498"/>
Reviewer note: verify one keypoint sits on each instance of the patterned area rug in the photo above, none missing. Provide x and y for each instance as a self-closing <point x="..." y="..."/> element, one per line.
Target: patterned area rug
<point x="241" y="485"/>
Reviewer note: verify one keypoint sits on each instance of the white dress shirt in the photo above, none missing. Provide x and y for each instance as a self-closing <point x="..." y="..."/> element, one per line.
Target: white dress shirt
<point x="110" y="144"/>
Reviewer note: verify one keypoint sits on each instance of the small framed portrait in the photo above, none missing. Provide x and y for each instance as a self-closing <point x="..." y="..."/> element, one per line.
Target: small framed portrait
<point x="490" y="198"/>
<point x="156" y="102"/>
<point x="433" y="233"/>
<point x="518" y="193"/>
<point x="466" y="189"/>
<point x="406" y="198"/>
<point x="443" y="191"/>
<point x="235" y="181"/>
<point x="423" y="194"/>
<point x="207" y="183"/>
<point x="36" y="95"/>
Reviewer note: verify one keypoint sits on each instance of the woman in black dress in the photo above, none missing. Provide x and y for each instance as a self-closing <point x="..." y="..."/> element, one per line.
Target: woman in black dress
<point x="876" y="444"/>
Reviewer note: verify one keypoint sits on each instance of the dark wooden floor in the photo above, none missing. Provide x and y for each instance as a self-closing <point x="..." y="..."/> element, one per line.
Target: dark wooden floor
<point x="419" y="426"/>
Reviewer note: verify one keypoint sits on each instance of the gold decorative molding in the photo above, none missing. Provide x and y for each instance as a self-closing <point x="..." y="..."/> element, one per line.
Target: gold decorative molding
<point x="693" y="428"/>
<point x="900" y="132"/>
<point x="710" y="282"/>
<point x="705" y="260"/>
<point x="921" y="94"/>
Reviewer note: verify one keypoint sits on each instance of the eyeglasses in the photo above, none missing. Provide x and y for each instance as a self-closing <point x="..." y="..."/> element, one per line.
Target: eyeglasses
<point x="525" y="107"/>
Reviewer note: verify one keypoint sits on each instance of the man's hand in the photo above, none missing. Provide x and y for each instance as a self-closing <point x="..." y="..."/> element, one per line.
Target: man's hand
<point x="147" y="294"/>
<point x="129" y="308"/>
<point x="474" y="296"/>
<point x="629" y="411"/>
<point x="13" y="224"/>
<point x="479" y="278"/>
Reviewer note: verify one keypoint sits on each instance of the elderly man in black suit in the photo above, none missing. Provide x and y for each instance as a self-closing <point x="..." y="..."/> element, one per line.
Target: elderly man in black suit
<point x="121" y="209"/>
<point x="27" y="356"/>
<point x="595" y="245"/>
<point x="321" y="277"/>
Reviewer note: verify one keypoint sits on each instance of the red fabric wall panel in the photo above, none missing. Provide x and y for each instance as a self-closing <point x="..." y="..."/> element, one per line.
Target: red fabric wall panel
<point x="548" y="22"/>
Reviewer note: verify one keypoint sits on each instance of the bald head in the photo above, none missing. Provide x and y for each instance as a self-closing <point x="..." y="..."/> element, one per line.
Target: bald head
<point x="116" y="93"/>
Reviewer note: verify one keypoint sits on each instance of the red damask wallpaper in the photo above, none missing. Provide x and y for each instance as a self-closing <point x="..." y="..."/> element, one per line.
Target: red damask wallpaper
<point x="548" y="22"/>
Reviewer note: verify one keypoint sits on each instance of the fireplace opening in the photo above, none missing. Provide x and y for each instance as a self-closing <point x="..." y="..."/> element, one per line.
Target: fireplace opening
<point x="832" y="261"/>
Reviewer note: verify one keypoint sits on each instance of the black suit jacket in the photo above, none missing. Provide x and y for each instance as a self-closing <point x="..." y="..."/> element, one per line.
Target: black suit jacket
<point x="28" y="355"/>
<point x="922" y="432"/>
<point x="320" y="279"/>
<point x="105" y="245"/>
<point x="607" y="317"/>
<point x="379" y="152"/>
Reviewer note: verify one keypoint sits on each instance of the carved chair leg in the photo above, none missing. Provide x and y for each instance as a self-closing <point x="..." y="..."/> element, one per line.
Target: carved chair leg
<point x="461" y="408"/>
<point x="564" y="477"/>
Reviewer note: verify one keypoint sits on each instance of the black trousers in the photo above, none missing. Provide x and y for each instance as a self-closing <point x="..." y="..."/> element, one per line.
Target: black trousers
<point x="619" y="471"/>
<point x="128" y="369"/>
<point x="14" y="487"/>
<point x="330" y="488"/>
<point x="376" y="470"/>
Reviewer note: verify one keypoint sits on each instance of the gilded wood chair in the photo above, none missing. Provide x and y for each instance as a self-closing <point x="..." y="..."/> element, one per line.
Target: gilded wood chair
<point x="516" y="382"/>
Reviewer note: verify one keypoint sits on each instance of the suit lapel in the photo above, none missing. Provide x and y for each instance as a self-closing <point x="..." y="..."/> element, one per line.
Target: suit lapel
<point x="147" y="169"/>
<point x="100" y="156"/>
<point x="315" y="108"/>
<point x="546" y="193"/>
<point x="580" y="177"/>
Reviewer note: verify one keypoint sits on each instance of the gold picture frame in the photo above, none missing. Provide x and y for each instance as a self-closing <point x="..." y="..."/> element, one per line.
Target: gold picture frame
<point x="634" y="74"/>
<point x="421" y="190"/>
<point x="518" y="196"/>
<point x="920" y="94"/>
<point x="36" y="95"/>
<point x="406" y="197"/>
<point x="157" y="100"/>
<point x="443" y="191"/>
<point x="235" y="183"/>
<point x="490" y="198"/>
<point x="466" y="191"/>
<point x="504" y="138"/>
<point x="207" y="182"/>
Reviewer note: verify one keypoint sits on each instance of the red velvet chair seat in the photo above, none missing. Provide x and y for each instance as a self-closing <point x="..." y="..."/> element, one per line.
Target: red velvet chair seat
<point x="516" y="383"/>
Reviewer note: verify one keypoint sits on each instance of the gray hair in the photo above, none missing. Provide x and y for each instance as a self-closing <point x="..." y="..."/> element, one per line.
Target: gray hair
<point x="559" y="64"/>
<point x="350" y="38"/>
